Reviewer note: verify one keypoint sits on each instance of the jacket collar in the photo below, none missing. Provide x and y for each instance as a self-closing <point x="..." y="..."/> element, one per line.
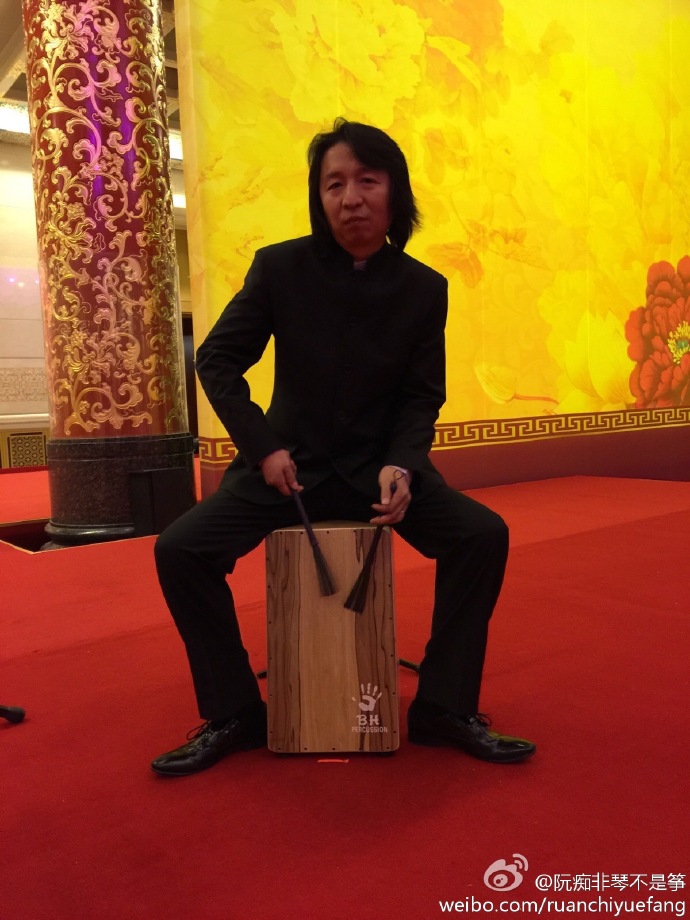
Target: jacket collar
<point x="330" y="250"/>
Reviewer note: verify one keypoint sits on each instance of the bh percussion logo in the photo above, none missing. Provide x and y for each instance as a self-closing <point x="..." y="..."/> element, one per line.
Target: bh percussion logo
<point x="504" y="876"/>
<point x="368" y="721"/>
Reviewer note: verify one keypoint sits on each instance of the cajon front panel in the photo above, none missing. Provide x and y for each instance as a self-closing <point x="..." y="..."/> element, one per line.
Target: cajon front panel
<point x="332" y="673"/>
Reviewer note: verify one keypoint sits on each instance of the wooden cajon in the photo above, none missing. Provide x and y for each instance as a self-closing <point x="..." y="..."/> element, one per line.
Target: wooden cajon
<point x="332" y="673"/>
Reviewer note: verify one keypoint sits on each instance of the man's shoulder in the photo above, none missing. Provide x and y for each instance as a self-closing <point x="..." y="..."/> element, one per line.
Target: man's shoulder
<point x="301" y="247"/>
<point x="420" y="269"/>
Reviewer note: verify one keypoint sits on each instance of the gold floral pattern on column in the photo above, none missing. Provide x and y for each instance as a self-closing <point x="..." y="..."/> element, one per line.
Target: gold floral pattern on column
<point x="104" y="213"/>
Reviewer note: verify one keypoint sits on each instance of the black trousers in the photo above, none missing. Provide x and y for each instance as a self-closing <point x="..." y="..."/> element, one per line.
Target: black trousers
<point x="468" y="541"/>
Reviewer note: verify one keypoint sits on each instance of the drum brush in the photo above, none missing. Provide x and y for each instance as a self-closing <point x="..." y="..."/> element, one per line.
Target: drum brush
<point x="357" y="598"/>
<point x="326" y="582"/>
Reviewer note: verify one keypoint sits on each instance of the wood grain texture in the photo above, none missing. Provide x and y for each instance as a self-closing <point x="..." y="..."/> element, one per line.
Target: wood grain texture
<point x="332" y="673"/>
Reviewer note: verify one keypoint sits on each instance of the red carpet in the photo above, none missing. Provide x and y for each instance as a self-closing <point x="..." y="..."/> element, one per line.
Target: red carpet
<point x="588" y="656"/>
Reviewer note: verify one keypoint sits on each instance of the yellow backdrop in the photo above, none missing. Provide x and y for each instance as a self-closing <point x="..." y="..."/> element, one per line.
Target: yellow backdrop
<point x="548" y="149"/>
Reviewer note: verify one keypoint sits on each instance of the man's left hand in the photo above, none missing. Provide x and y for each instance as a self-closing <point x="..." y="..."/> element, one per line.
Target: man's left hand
<point x="395" y="496"/>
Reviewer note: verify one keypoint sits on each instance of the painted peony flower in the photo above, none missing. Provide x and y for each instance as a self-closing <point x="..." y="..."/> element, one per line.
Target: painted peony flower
<point x="659" y="336"/>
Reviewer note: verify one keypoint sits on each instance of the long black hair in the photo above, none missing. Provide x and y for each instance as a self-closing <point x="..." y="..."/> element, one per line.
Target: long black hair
<point x="375" y="149"/>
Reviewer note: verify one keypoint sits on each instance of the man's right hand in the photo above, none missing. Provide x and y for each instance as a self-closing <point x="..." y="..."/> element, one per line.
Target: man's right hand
<point x="280" y="472"/>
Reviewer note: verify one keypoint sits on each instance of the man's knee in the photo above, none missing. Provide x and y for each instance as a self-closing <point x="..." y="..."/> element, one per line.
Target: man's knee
<point x="493" y="535"/>
<point x="497" y="528"/>
<point x="174" y="541"/>
<point x="166" y="547"/>
<point x="488" y="531"/>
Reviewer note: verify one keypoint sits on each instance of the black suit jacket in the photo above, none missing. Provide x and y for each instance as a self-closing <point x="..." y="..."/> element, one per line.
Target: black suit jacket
<point x="359" y="366"/>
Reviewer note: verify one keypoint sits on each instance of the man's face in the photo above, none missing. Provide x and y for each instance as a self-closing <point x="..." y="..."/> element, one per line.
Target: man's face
<point x="355" y="200"/>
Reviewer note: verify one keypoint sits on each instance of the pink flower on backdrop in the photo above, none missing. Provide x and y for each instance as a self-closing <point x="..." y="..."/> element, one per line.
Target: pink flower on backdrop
<point x="659" y="336"/>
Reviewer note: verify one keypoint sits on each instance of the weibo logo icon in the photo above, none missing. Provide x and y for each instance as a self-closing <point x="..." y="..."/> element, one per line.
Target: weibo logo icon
<point x="505" y="876"/>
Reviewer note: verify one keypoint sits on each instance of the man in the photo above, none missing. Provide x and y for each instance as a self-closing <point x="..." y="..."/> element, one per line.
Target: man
<point x="359" y="380"/>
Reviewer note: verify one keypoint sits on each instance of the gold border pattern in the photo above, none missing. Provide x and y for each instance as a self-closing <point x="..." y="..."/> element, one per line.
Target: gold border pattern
<point x="216" y="451"/>
<point x="220" y="451"/>
<point x="512" y="430"/>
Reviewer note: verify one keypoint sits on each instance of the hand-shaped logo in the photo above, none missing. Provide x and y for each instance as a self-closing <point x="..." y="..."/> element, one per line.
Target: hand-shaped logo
<point x="503" y="876"/>
<point x="370" y="697"/>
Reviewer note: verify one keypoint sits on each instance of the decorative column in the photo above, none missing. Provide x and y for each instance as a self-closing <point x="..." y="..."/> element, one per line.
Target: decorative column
<point x="108" y="268"/>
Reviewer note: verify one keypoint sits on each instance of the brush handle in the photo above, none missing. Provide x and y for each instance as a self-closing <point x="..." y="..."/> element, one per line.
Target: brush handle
<point x="377" y="536"/>
<point x="305" y="520"/>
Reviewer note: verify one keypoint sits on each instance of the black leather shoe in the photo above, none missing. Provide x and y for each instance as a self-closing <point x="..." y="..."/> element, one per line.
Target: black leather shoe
<point x="470" y="734"/>
<point x="208" y="745"/>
